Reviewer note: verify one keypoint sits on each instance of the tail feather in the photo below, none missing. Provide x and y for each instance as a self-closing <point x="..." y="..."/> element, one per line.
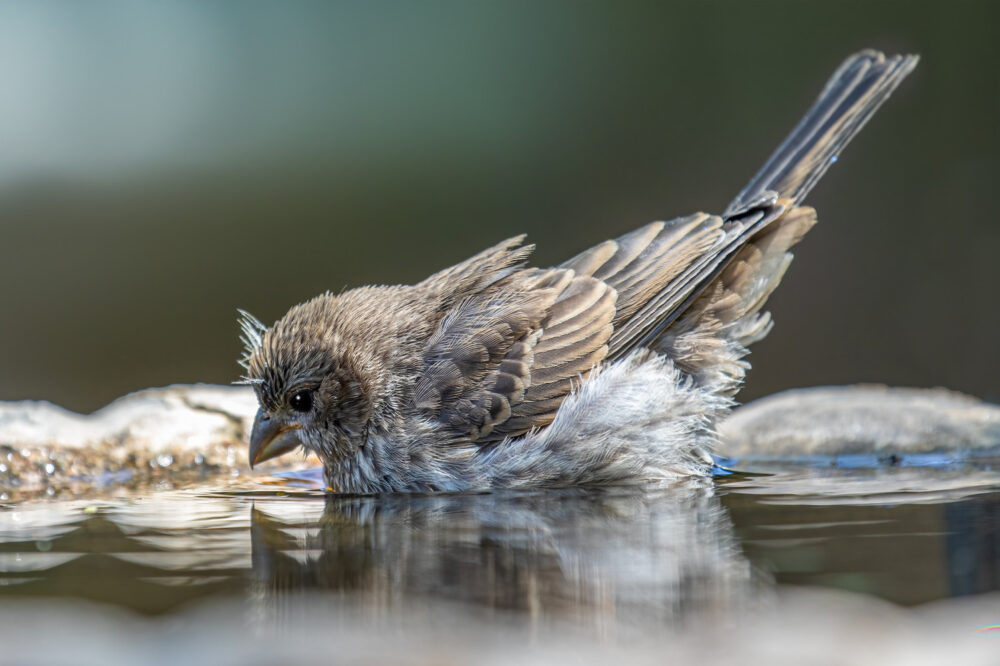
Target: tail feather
<point x="695" y="287"/>
<point x="708" y="342"/>
<point x="710" y="338"/>
<point x="854" y="92"/>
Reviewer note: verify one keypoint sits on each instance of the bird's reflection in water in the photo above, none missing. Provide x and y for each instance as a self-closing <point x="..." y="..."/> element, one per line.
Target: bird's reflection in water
<point x="624" y="557"/>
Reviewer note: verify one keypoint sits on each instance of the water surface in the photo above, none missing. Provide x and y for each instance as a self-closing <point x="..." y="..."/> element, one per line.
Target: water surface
<point x="608" y="560"/>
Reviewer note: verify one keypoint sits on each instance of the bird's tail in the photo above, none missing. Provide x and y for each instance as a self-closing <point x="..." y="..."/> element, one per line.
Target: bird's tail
<point x="710" y="337"/>
<point x="851" y="96"/>
<point x="693" y="288"/>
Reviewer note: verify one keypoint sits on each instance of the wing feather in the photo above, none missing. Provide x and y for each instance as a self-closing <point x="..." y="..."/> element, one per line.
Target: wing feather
<point x="502" y="360"/>
<point x="512" y="341"/>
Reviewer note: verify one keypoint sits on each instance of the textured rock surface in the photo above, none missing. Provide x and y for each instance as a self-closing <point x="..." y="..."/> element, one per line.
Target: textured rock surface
<point x="162" y="433"/>
<point x="863" y="419"/>
<point x="194" y="415"/>
<point x="191" y="431"/>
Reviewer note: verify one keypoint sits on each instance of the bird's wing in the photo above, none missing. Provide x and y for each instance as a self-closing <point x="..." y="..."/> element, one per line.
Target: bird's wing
<point x="513" y="340"/>
<point x="478" y="272"/>
<point x="501" y="362"/>
<point x="572" y="340"/>
<point x="659" y="269"/>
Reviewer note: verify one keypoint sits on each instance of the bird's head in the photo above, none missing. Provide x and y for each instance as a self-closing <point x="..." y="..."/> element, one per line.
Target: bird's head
<point x="308" y="391"/>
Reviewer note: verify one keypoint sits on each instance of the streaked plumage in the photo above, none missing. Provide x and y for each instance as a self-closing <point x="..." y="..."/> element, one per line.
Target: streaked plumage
<point x="613" y="367"/>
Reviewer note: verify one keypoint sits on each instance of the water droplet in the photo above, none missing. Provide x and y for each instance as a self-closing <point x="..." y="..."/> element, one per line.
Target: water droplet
<point x="43" y="546"/>
<point x="50" y="491"/>
<point x="50" y="468"/>
<point x="164" y="460"/>
<point x="25" y="453"/>
<point x="199" y="459"/>
<point x="3" y="468"/>
<point x="833" y="159"/>
<point x="4" y="496"/>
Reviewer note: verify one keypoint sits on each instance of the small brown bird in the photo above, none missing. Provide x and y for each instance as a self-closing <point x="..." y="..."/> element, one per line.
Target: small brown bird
<point x="613" y="367"/>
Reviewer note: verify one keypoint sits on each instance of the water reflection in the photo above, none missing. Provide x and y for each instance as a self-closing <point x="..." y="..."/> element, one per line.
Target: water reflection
<point x="602" y="561"/>
<point x="151" y="555"/>
<point x="598" y="558"/>
<point x="908" y="535"/>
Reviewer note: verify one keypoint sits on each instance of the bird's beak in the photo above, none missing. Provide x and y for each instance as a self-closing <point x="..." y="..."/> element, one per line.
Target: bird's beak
<point x="271" y="438"/>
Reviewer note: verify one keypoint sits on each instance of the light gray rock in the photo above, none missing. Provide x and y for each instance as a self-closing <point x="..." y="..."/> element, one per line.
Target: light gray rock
<point x="186" y="416"/>
<point x="160" y="433"/>
<point x="191" y="431"/>
<point x="861" y="419"/>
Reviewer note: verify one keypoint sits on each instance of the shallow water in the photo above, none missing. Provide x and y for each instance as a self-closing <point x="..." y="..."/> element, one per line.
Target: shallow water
<point x="610" y="561"/>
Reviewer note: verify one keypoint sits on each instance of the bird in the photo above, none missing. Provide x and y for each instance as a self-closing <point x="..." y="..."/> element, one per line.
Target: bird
<point x="612" y="368"/>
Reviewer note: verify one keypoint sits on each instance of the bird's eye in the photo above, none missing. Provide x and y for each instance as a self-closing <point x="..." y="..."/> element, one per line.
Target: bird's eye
<point x="302" y="401"/>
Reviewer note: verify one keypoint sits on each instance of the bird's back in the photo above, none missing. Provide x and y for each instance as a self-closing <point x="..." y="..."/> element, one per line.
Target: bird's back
<point x="515" y="340"/>
<point x="612" y="367"/>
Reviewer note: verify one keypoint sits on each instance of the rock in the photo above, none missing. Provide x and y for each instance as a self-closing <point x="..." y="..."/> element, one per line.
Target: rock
<point x="862" y="419"/>
<point x="159" y="433"/>
<point x="191" y="431"/>
<point x="189" y="416"/>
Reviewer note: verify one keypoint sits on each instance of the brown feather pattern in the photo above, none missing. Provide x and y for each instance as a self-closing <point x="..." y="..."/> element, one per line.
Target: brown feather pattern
<point x="502" y="362"/>
<point x="449" y="384"/>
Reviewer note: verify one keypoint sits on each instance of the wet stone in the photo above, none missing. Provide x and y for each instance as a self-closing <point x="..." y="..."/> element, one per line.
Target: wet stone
<point x="191" y="432"/>
<point x="889" y="424"/>
<point x="171" y="433"/>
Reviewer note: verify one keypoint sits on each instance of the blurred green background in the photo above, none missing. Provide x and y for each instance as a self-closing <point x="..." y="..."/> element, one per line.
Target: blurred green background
<point x="162" y="164"/>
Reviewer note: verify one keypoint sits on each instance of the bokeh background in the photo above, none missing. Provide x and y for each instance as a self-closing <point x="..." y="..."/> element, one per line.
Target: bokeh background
<point x="162" y="164"/>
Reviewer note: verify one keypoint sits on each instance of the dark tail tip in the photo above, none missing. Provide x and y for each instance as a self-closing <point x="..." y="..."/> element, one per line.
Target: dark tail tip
<point x="851" y="96"/>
